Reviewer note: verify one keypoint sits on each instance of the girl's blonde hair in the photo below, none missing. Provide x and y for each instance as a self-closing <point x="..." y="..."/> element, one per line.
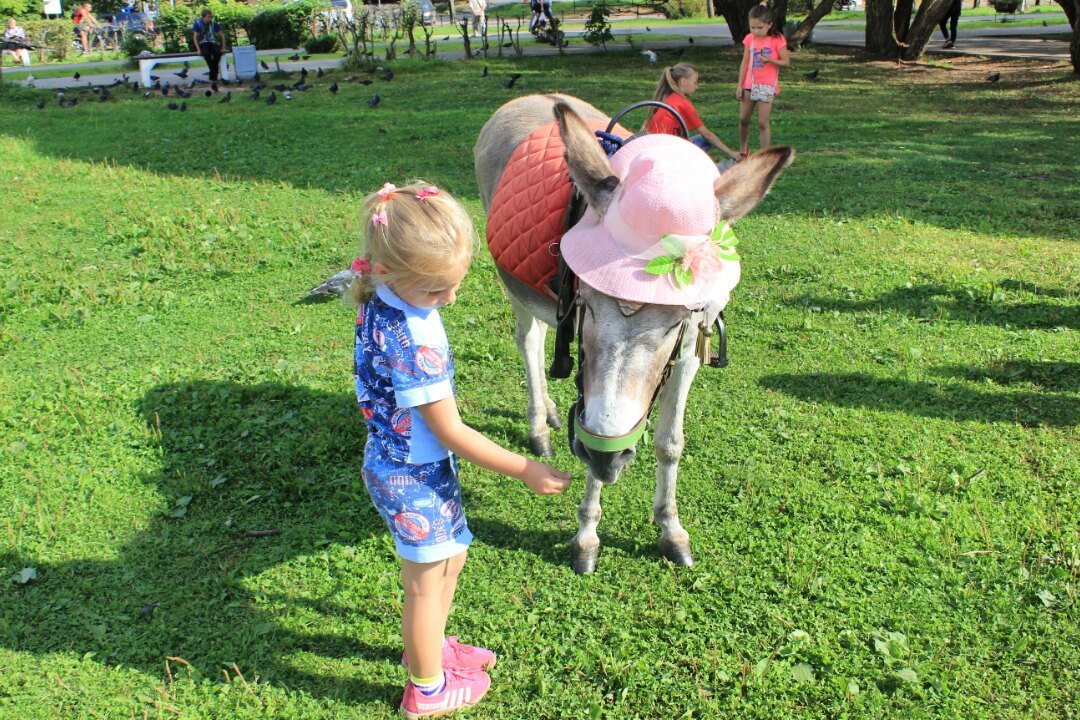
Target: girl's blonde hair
<point x="669" y="83"/>
<point x="415" y="232"/>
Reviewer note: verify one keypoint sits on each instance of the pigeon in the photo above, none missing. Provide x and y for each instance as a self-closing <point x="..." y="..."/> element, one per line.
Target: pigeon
<point x="648" y="29"/>
<point x="154" y="78"/>
<point x="281" y="87"/>
<point x="208" y="93"/>
<point x="183" y="107"/>
<point x="257" y="87"/>
<point x="387" y="76"/>
<point x="691" y="40"/>
<point x="365" y="82"/>
<point x="348" y="78"/>
<point x="334" y="89"/>
<point x="227" y="98"/>
<point x="288" y="95"/>
<point x="337" y="284"/>
<point x="134" y="87"/>
<point x="294" y="58"/>
<point x="513" y="79"/>
<point x="182" y="93"/>
<point x="263" y="65"/>
<point x="97" y="90"/>
<point x="40" y="104"/>
<point x="29" y="81"/>
<point x="255" y="95"/>
<point x="319" y="72"/>
<point x="156" y="85"/>
<point x="258" y="77"/>
<point x="213" y="86"/>
<point x="446" y="38"/>
<point x="374" y="101"/>
<point x="164" y="89"/>
<point x="272" y="99"/>
<point x="148" y="94"/>
<point x="993" y="78"/>
<point x="305" y="57"/>
<point x="485" y="72"/>
<point x="1044" y="24"/>
<point x="186" y="64"/>
<point x="173" y="106"/>
<point x="77" y="75"/>
<point x="183" y="73"/>
<point x="508" y="44"/>
<point x="303" y="72"/>
<point x="812" y="75"/>
<point x="650" y="56"/>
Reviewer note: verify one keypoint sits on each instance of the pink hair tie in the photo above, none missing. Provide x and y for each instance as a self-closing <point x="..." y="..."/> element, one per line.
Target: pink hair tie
<point x="360" y="266"/>
<point x="380" y="218"/>
<point x="426" y="192"/>
<point x="386" y="191"/>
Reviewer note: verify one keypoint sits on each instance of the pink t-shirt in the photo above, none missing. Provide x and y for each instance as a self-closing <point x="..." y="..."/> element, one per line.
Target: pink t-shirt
<point x="761" y="72"/>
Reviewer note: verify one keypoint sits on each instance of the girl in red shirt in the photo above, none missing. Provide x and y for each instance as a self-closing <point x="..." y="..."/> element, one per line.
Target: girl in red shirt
<point x="766" y="52"/>
<point x="676" y="85"/>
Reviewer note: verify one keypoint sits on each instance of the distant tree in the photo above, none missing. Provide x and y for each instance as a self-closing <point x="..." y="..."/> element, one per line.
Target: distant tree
<point x="1072" y="12"/>
<point x="890" y="32"/>
<point x="803" y="29"/>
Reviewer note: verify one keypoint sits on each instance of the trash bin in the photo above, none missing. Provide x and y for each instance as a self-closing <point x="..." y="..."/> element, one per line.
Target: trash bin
<point x="245" y="62"/>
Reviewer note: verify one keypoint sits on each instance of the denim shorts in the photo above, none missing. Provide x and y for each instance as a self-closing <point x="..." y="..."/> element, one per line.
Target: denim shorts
<point x="421" y="505"/>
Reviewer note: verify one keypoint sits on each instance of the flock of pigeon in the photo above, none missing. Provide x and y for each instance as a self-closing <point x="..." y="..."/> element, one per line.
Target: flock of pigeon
<point x="179" y="88"/>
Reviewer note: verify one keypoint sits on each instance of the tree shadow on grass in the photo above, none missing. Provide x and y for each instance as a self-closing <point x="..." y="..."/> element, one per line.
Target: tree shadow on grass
<point x="928" y="399"/>
<point x="1048" y="375"/>
<point x="233" y="458"/>
<point x="937" y="301"/>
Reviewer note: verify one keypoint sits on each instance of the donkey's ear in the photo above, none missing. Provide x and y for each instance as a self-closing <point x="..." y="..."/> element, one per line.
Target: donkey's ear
<point x="743" y="186"/>
<point x="589" y="166"/>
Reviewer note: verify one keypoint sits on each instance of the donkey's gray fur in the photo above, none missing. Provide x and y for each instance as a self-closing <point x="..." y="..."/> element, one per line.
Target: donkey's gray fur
<point x="626" y="345"/>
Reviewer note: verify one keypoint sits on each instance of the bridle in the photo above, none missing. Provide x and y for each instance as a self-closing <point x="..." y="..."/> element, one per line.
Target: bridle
<point x="569" y="324"/>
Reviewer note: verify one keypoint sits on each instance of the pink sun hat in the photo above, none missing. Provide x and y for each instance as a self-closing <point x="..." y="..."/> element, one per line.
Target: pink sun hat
<point x="665" y="189"/>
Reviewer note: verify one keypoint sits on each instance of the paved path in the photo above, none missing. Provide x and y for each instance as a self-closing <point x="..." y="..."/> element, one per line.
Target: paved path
<point x="1022" y="42"/>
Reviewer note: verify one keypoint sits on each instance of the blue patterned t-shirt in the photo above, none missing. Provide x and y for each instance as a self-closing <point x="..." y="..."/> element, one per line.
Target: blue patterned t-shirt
<point x="402" y="360"/>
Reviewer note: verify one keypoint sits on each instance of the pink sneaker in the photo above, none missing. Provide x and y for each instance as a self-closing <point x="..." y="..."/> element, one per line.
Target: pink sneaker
<point x="462" y="690"/>
<point x="460" y="656"/>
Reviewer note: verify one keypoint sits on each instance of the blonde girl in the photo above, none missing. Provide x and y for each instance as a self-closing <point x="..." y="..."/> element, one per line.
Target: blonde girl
<point x="419" y="242"/>
<point x="766" y="52"/>
<point x="676" y="85"/>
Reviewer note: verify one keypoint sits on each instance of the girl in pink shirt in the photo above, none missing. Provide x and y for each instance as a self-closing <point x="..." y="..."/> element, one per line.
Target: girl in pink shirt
<point x="766" y="52"/>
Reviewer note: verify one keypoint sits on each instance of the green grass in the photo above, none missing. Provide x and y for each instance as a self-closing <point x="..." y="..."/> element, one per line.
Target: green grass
<point x="889" y="465"/>
<point x="984" y="24"/>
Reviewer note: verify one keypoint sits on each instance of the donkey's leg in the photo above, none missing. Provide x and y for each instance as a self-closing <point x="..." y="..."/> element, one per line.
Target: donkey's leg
<point x="586" y="544"/>
<point x="669" y="441"/>
<point x="530" y="334"/>
<point x="553" y="420"/>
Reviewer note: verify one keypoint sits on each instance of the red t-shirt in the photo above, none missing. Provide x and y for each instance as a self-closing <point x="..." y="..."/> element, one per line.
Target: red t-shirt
<point x="664" y="122"/>
<point x="78" y="16"/>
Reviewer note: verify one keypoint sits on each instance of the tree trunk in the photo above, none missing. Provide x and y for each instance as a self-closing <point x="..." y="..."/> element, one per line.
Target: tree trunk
<point x="1072" y="12"/>
<point x="902" y="19"/>
<point x="926" y="21"/>
<point x="779" y="11"/>
<point x="879" y="28"/>
<point x="737" y="15"/>
<point x="824" y="7"/>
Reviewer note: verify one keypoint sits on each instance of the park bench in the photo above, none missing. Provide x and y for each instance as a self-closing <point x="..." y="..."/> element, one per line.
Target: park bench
<point x="147" y="63"/>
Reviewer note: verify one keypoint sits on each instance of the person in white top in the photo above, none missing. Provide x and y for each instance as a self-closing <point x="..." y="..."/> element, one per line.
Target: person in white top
<point x="479" y="16"/>
<point x="15" y="36"/>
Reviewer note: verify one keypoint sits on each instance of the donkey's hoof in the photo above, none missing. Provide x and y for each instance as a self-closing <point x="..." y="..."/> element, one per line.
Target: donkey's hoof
<point x="554" y="421"/>
<point x="541" y="447"/>
<point x="585" y="561"/>
<point x="678" y="553"/>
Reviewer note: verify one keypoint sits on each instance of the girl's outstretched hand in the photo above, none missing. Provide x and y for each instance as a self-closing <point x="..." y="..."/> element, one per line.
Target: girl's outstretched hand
<point x="543" y="479"/>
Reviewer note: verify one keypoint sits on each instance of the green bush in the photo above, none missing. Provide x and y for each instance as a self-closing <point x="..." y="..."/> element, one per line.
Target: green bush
<point x="52" y="38"/>
<point x="325" y="43"/>
<point x="134" y="45"/>
<point x="174" y="25"/>
<point x="234" y="18"/>
<point x="597" y="26"/>
<point x="19" y="8"/>
<point x="284" y="27"/>
<point x="684" y="8"/>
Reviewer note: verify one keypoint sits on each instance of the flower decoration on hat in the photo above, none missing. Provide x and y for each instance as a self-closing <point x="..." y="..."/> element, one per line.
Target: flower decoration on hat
<point x="695" y="258"/>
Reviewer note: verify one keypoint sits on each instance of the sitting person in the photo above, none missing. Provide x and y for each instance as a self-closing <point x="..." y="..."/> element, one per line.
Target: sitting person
<point x="15" y="42"/>
<point x="676" y="85"/>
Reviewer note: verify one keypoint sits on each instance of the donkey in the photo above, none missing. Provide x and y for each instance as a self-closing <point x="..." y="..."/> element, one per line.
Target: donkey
<point x="626" y="348"/>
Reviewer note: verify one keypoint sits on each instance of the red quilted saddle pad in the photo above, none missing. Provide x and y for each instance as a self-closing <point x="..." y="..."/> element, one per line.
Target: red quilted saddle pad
<point x="525" y="222"/>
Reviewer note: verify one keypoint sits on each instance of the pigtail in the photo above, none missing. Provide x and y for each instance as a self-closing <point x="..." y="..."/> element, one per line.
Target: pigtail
<point x="664" y="87"/>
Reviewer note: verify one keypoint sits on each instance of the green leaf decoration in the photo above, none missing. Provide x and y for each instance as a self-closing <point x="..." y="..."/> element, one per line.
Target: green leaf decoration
<point x="674" y="247"/>
<point x="661" y="265"/>
<point x="683" y="277"/>
<point x="729" y="255"/>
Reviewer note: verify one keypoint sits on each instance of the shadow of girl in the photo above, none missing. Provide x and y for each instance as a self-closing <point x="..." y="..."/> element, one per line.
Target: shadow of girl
<point x="307" y="607"/>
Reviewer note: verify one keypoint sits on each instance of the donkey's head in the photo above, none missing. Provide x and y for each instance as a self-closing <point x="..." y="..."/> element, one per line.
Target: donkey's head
<point x="653" y="265"/>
